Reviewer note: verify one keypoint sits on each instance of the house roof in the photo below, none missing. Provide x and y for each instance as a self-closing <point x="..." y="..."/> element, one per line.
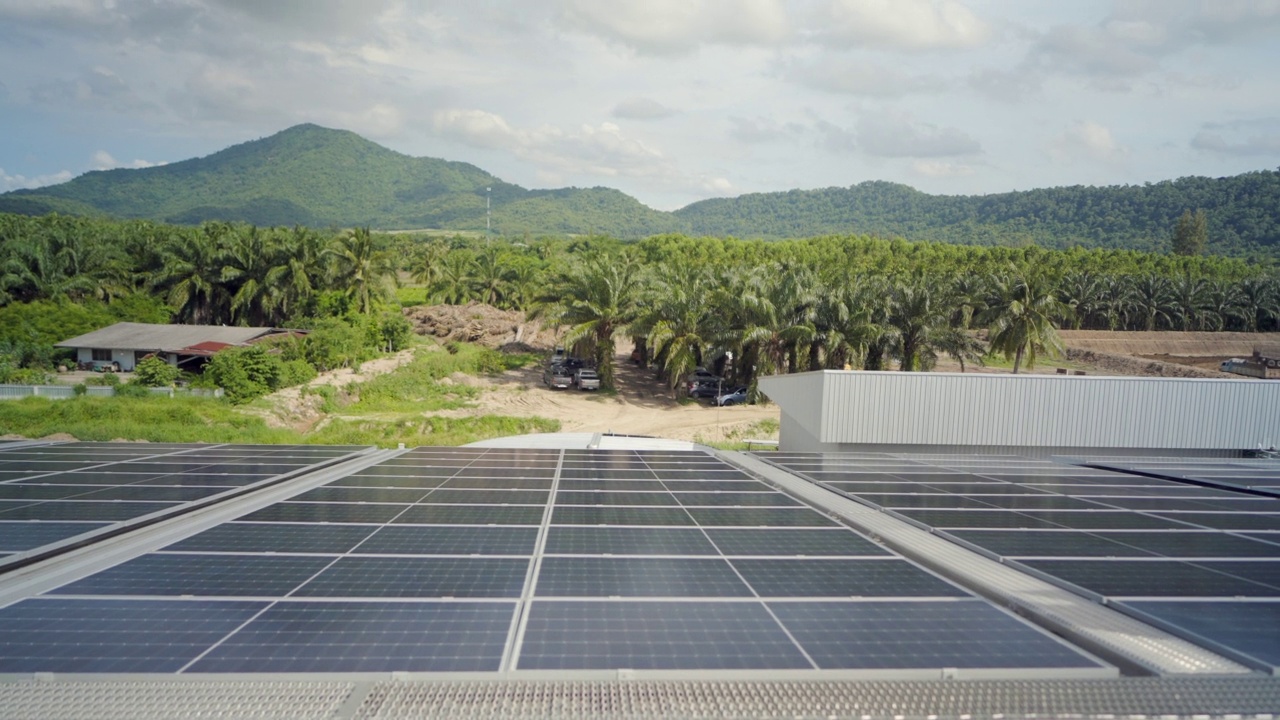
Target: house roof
<point x="167" y="338"/>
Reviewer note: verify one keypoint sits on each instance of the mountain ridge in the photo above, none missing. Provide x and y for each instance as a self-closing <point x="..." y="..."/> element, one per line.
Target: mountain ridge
<point x="311" y="175"/>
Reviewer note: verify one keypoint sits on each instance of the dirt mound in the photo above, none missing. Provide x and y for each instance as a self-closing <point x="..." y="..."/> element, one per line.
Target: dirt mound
<point x="1177" y="344"/>
<point x="482" y="324"/>
<point x="1131" y="365"/>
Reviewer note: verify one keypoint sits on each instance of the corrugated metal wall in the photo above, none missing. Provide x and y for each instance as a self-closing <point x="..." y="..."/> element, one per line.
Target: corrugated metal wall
<point x="1032" y="410"/>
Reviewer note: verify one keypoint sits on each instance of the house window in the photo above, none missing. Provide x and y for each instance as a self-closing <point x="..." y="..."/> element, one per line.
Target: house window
<point x="101" y="355"/>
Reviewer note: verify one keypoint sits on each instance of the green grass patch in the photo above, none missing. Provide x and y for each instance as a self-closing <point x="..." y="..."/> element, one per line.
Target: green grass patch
<point x="413" y="430"/>
<point x="157" y="419"/>
<point x="417" y="386"/>
<point x="410" y="295"/>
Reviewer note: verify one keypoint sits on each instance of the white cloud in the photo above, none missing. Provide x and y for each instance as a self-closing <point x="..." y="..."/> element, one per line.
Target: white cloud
<point x="18" y="182"/>
<point x="601" y="150"/>
<point x="862" y="78"/>
<point x="760" y="129"/>
<point x="676" y="26"/>
<point x="1087" y="139"/>
<point x="1248" y="138"/>
<point x="903" y="24"/>
<point x="102" y="160"/>
<point x="940" y="169"/>
<point x="642" y="109"/>
<point x="896" y="135"/>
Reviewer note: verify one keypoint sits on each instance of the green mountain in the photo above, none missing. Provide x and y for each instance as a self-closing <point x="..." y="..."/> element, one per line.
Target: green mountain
<point x="315" y="176"/>
<point x="1243" y="213"/>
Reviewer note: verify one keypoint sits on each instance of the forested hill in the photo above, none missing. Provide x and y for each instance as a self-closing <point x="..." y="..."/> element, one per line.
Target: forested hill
<point x="1243" y="214"/>
<point x="309" y="175"/>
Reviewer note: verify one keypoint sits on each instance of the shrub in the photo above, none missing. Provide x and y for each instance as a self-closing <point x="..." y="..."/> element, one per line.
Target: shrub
<point x="295" y="372"/>
<point x="155" y="372"/>
<point x="133" y="390"/>
<point x="79" y="389"/>
<point x="105" y="379"/>
<point x="395" y="330"/>
<point x="245" y="373"/>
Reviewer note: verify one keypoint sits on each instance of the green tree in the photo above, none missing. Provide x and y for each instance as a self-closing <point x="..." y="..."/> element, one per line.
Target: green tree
<point x="1191" y="233"/>
<point x="155" y="372"/>
<point x="597" y="297"/>
<point x="360" y="269"/>
<point x="1020" y="319"/>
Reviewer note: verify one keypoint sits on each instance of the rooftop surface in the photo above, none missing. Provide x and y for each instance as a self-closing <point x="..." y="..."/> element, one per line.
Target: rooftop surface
<point x="310" y="581"/>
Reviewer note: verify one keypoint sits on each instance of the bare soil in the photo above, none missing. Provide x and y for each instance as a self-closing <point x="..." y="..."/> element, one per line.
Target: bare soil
<point x="482" y="324"/>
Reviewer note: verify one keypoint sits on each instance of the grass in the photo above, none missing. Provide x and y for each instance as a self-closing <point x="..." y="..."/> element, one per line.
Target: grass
<point x="397" y="399"/>
<point x="766" y="429"/>
<point x="999" y="361"/>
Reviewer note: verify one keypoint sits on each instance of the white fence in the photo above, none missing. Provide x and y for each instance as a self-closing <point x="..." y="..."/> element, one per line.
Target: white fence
<point x="60" y="392"/>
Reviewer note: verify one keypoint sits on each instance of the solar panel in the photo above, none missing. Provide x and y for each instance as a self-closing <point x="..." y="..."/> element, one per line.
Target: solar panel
<point x="471" y="515"/>
<point x="1150" y="578"/>
<point x="656" y="636"/>
<point x="1244" y="628"/>
<point x="419" y="577"/>
<point x="749" y="517"/>
<point x="326" y="513"/>
<point x="792" y="542"/>
<point x="578" y="540"/>
<point x="589" y="497"/>
<point x="885" y="577"/>
<point x="113" y="636"/>
<point x="206" y="575"/>
<point x="607" y="515"/>
<point x="404" y="496"/>
<point x="451" y="540"/>
<point x="959" y="634"/>
<point x="638" y="577"/>
<point x="366" y="637"/>
<point x="243" y="537"/>
<point x="20" y="536"/>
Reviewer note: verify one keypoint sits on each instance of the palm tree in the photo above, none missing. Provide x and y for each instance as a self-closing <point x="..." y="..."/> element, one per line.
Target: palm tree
<point x="1190" y="299"/>
<point x="359" y="268"/>
<point x="491" y="276"/>
<point x="1259" y="302"/>
<point x="1086" y="294"/>
<point x="1117" y="303"/>
<point x="919" y="314"/>
<point x="455" y="283"/>
<point x="425" y="265"/>
<point x="1153" y="300"/>
<point x="191" y="275"/>
<point x="296" y="275"/>
<point x="247" y="265"/>
<point x="596" y="298"/>
<point x="676" y="321"/>
<point x="1020" y="321"/>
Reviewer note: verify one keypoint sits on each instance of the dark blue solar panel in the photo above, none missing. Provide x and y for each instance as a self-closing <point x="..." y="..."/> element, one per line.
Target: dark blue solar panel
<point x="282" y="537"/>
<point x="419" y="577"/>
<point x="607" y="515"/>
<point x="102" y="511"/>
<point x="587" y="497"/>
<point x="580" y="540"/>
<point x="1251" y="628"/>
<point x="1048" y="543"/>
<point x="20" y="536"/>
<point x="448" y="540"/>
<point x="792" y="541"/>
<point x="956" y="634"/>
<point x="367" y="637"/>
<point x="735" y="499"/>
<point x="485" y="497"/>
<point x="472" y="515"/>
<point x="638" y="577"/>
<point x="325" y="513"/>
<point x="1228" y="520"/>
<point x="751" y="517"/>
<point x="406" y="496"/>
<point x="207" y="575"/>
<point x="655" y="636"/>
<point x="888" y="577"/>
<point x="113" y="636"/>
<point x="1158" y="578"/>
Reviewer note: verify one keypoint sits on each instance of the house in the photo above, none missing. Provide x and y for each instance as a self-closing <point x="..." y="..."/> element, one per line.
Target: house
<point x="184" y="346"/>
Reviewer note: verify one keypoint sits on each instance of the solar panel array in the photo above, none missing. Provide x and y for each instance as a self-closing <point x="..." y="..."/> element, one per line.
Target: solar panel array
<point x="1257" y="475"/>
<point x="53" y="493"/>
<point x="494" y="560"/>
<point x="1201" y="561"/>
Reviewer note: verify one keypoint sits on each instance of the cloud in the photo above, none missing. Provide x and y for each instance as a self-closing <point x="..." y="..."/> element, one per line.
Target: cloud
<point x="1247" y="138"/>
<point x="102" y="160"/>
<point x="910" y="25"/>
<point x="759" y="129"/>
<point x="865" y="79"/>
<point x="678" y="26"/>
<point x="940" y="169"/>
<point x="894" y="135"/>
<point x="100" y="87"/>
<point x="601" y="150"/>
<point x="18" y="182"/>
<point x="1087" y="139"/>
<point x="642" y="109"/>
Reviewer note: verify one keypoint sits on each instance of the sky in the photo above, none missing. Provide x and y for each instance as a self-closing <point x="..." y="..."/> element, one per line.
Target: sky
<point x="670" y="101"/>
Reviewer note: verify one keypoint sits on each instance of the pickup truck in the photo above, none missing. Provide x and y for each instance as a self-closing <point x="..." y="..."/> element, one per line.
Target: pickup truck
<point x="558" y="376"/>
<point x="587" y="379"/>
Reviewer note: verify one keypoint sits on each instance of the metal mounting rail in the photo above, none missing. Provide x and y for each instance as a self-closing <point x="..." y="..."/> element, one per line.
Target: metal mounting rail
<point x="1097" y="628"/>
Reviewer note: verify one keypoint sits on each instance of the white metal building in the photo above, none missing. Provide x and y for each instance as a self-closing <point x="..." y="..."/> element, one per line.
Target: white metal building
<point x="126" y="343"/>
<point x="833" y="411"/>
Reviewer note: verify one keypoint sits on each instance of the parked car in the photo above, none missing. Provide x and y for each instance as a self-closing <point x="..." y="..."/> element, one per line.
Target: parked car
<point x="737" y="397"/>
<point x="703" y="383"/>
<point x="557" y="376"/>
<point x="705" y="389"/>
<point x="587" y="379"/>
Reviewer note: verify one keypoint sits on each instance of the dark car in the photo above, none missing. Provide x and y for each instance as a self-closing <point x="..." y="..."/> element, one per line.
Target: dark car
<point x="709" y="389"/>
